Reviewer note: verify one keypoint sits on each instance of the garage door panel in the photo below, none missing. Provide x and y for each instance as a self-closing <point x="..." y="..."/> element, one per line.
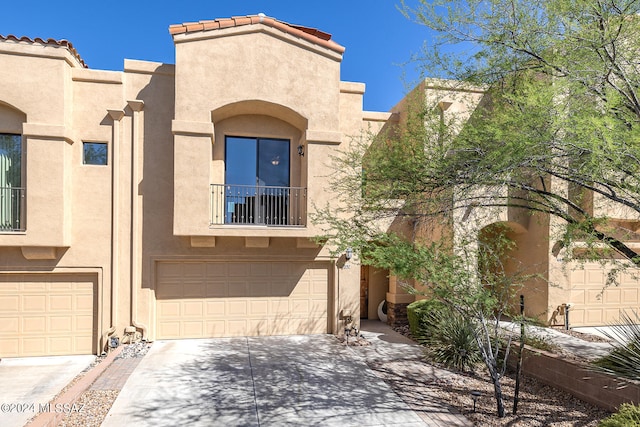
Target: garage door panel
<point x="630" y="296"/>
<point x="34" y="346"/>
<point x="260" y="326"/>
<point x="168" y="329"/>
<point x="592" y="304"/>
<point x="168" y="309"/>
<point x="193" y="308"/>
<point x="260" y="270"/>
<point x="612" y="296"/>
<point x="169" y="290"/>
<point x="195" y="290"/>
<point x="282" y="288"/>
<point x="238" y="290"/>
<point x="34" y="324"/>
<point x="259" y="307"/>
<point x="193" y="328"/>
<point x="34" y="303"/>
<point x="215" y="308"/>
<point x="84" y="302"/>
<point x="61" y="303"/>
<point x="242" y="298"/>
<point x="217" y="290"/>
<point x="237" y="308"/>
<point x="10" y="303"/>
<point x="46" y="314"/>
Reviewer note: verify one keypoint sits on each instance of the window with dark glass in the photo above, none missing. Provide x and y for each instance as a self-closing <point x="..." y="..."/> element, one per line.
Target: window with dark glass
<point x="257" y="187"/>
<point x="94" y="153"/>
<point x="11" y="191"/>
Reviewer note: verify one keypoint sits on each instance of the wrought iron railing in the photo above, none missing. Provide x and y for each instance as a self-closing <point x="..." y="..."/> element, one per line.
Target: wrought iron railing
<point x="12" y="209"/>
<point x="258" y="205"/>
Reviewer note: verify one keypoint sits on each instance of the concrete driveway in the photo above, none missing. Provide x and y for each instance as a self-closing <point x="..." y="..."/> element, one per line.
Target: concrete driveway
<point x="28" y="384"/>
<point x="307" y="380"/>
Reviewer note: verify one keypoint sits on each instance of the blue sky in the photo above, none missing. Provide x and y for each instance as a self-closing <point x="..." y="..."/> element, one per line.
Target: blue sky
<point x="379" y="41"/>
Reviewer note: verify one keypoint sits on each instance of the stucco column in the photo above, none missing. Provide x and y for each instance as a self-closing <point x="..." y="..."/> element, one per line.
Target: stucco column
<point x="136" y="255"/>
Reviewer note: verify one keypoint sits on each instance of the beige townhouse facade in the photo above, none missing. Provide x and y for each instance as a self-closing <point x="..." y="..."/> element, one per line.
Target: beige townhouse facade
<point x="173" y="200"/>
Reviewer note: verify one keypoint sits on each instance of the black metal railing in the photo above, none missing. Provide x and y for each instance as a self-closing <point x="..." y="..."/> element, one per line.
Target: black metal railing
<point x="258" y="205"/>
<point x="12" y="209"/>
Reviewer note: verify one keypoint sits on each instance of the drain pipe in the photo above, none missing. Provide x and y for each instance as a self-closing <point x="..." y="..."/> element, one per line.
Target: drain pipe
<point x="136" y="106"/>
<point x="116" y="116"/>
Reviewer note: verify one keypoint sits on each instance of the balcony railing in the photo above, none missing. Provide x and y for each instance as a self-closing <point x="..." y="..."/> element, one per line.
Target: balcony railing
<point x="12" y="209"/>
<point x="258" y="205"/>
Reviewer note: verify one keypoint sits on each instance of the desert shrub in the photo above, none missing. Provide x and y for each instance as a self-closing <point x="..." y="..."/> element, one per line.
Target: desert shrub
<point x="624" y="359"/>
<point x="451" y="340"/>
<point x="628" y="415"/>
<point x="417" y="313"/>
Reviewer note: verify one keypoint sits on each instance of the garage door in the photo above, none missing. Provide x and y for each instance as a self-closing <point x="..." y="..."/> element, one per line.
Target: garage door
<point x="592" y="305"/>
<point x="46" y="315"/>
<point x="215" y="299"/>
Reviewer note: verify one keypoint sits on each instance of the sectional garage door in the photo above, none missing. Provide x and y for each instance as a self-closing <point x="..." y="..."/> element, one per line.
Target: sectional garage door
<point x="592" y="305"/>
<point x="46" y="314"/>
<point x="217" y="299"/>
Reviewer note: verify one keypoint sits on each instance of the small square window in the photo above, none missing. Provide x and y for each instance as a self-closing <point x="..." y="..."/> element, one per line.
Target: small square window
<point x="95" y="153"/>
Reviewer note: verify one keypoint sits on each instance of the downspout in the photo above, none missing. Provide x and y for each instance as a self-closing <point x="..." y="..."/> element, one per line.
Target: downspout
<point x="116" y="115"/>
<point x="136" y="106"/>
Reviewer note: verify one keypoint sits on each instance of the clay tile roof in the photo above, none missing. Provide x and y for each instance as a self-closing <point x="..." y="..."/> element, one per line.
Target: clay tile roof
<point x="48" y="42"/>
<point x="312" y="35"/>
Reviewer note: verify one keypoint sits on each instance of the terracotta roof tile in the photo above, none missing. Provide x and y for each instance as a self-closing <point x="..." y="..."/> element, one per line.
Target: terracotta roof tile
<point x="312" y="35"/>
<point x="48" y="42"/>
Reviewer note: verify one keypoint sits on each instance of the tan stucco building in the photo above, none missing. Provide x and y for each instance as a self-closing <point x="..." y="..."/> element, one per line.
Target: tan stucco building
<point x="173" y="200"/>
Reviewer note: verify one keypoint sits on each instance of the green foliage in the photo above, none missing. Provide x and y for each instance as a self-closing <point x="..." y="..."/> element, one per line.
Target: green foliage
<point x="628" y="415"/>
<point x="417" y="313"/>
<point x="560" y="81"/>
<point x="450" y="339"/>
<point x="624" y="360"/>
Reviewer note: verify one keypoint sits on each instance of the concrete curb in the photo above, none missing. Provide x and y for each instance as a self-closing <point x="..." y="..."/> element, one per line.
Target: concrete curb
<point x="51" y="419"/>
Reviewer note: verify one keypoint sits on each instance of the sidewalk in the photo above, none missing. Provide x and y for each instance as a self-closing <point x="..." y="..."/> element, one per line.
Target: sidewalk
<point x="398" y="361"/>
<point x="567" y="343"/>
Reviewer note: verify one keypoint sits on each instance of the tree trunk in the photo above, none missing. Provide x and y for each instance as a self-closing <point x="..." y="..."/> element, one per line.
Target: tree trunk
<point x="497" y="391"/>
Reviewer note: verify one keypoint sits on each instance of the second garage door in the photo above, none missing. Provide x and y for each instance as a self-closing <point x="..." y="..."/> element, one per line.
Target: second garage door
<point x="592" y="304"/>
<point x="216" y="299"/>
<point x="47" y="314"/>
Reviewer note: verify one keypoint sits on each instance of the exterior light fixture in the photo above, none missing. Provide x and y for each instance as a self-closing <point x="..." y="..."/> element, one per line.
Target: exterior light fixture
<point x="348" y="254"/>
<point x="475" y="394"/>
<point x="301" y="150"/>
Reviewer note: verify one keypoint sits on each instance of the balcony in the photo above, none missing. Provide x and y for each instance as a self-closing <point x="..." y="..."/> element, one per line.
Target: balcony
<point x="12" y="209"/>
<point x="253" y="205"/>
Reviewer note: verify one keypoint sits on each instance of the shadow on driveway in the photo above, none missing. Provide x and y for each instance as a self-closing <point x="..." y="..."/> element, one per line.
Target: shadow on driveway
<point x="308" y="380"/>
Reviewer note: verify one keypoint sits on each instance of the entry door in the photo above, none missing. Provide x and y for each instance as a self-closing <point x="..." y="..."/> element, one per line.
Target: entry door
<point x="257" y="180"/>
<point x="364" y="292"/>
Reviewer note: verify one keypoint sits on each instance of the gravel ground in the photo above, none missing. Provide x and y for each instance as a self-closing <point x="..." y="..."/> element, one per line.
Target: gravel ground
<point x="539" y="404"/>
<point x="96" y="403"/>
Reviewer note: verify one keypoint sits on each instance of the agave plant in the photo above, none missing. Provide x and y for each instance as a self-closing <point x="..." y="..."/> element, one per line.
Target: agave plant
<point x="624" y="359"/>
<point x="451" y="341"/>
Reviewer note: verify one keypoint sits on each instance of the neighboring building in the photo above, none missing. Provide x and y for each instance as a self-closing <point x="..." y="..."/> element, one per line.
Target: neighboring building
<point x="555" y="283"/>
<point x="173" y="200"/>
